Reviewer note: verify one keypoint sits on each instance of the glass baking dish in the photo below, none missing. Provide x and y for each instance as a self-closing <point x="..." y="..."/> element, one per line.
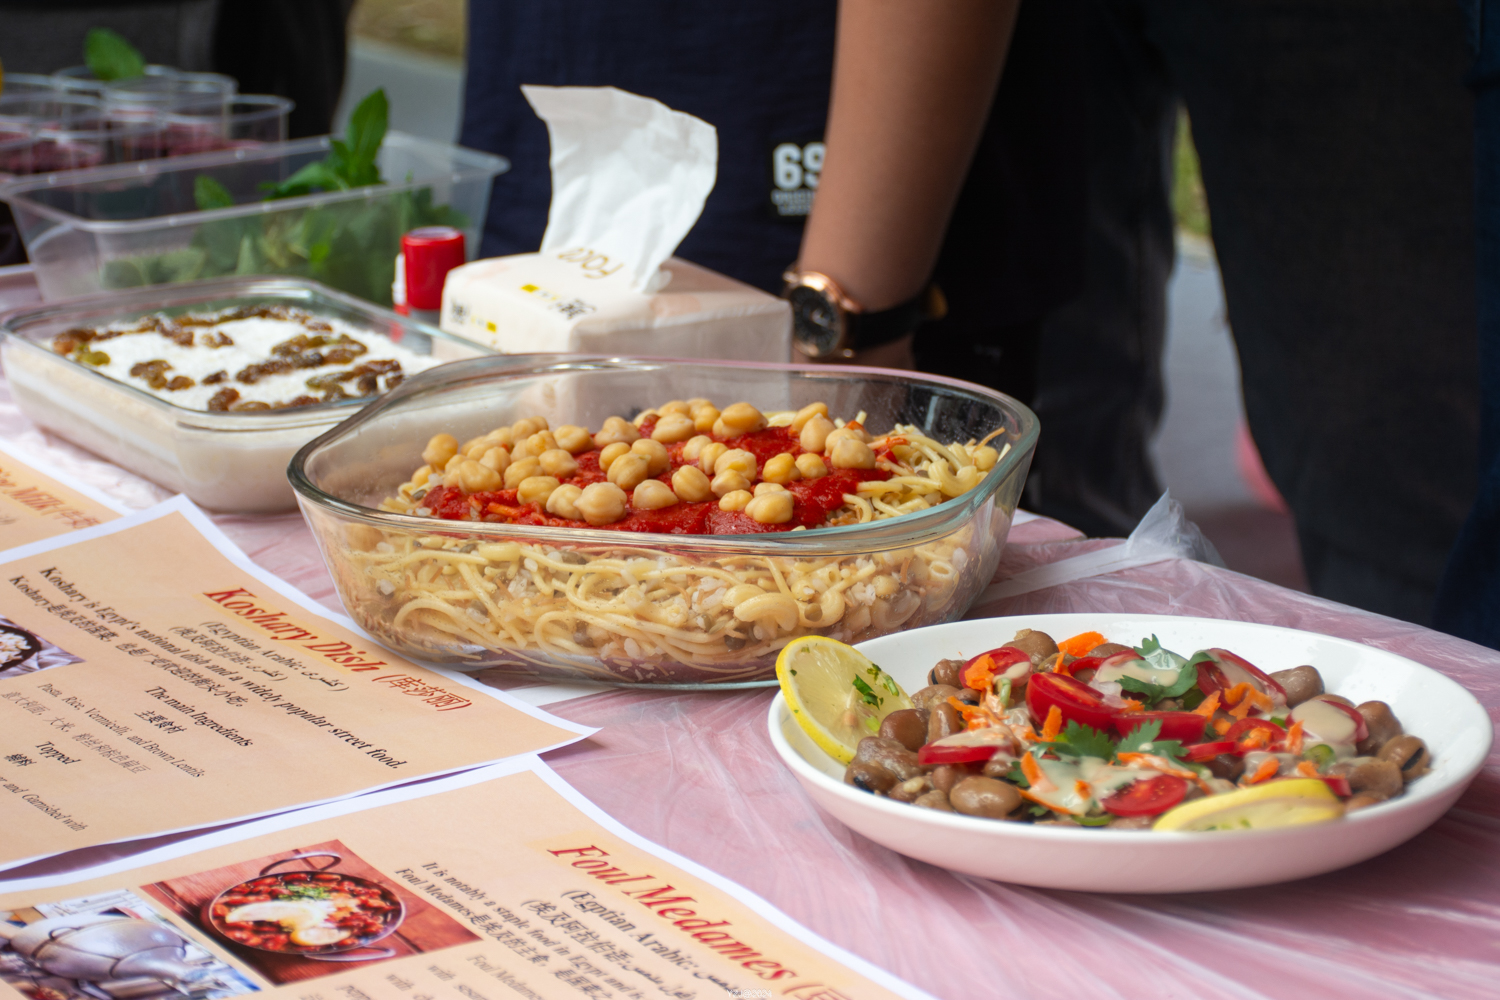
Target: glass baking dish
<point x="590" y="604"/>
<point x="228" y="461"/>
<point x="138" y="224"/>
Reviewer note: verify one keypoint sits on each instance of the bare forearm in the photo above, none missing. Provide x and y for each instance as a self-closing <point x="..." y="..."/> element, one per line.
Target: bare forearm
<point x="913" y="81"/>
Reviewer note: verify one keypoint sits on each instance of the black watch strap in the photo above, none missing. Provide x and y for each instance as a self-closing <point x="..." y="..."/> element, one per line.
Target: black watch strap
<point x="872" y="329"/>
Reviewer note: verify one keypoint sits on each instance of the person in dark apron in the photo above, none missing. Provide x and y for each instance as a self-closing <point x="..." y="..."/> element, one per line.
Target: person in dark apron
<point x="761" y="75"/>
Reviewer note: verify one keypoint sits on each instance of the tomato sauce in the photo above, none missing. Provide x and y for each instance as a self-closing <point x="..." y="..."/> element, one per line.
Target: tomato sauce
<point x="813" y="499"/>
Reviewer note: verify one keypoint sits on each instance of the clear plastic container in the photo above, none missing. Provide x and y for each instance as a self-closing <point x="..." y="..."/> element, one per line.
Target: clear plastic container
<point x="139" y="224"/>
<point x="229" y="461"/>
<point x="620" y="607"/>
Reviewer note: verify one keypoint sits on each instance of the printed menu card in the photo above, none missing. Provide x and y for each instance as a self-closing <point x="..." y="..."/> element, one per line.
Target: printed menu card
<point x="495" y="884"/>
<point x="153" y="679"/>
<point x="38" y="503"/>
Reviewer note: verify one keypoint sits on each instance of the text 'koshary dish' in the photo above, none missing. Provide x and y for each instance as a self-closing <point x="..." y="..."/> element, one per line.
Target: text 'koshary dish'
<point x="707" y="579"/>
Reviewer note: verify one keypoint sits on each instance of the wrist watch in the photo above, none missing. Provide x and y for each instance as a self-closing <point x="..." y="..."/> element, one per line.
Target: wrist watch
<point x="827" y="324"/>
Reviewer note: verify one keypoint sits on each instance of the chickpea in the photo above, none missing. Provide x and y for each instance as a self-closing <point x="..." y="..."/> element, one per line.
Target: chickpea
<point x="814" y="434"/>
<point x="601" y="503"/>
<point x="737" y="460"/>
<point x="690" y="484"/>
<point x="705" y="417"/>
<point x="496" y="458"/>
<point x="771" y="508"/>
<point x="812" y="466"/>
<point x="611" y="452"/>
<point x="850" y="453"/>
<point x="709" y="456"/>
<point x="655" y="454"/>
<point x="475" y="447"/>
<point x="698" y="401"/>
<point x="673" y="427"/>
<point x="420" y="477"/>
<point x="642" y="417"/>
<point x="653" y="494"/>
<point x="454" y="462"/>
<point x="523" y="469"/>
<point x="741" y="418"/>
<point x="629" y="471"/>
<point x="563" y="502"/>
<point x="440" y="448"/>
<point x="536" y="489"/>
<point x="695" y="446"/>
<point x="615" y="429"/>
<point x="807" y="413"/>
<point x="558" y="463"/>
<point x="781" y="469"/>
<point x="573" y="439"/>
<point x="763" y="488"/>
<point x="735" y="500"/>
<point x="476" y="478"/>
<point x="676" y="406"/>
<point x="985" y="458"/>
<point x="527" y="426"/>
<point x="842" y="433"/>
<point x="728" y="481"/>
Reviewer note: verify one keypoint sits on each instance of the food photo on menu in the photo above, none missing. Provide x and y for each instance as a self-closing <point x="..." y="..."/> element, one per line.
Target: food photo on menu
<point x="346" y="471"/>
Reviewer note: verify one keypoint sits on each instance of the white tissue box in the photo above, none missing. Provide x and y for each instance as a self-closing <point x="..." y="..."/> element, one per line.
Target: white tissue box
<point x="549" y="302"/>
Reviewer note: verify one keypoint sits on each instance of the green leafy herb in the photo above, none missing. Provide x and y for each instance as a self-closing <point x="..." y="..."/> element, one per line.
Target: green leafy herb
<point x="305" y="891"/>
<point x="1016" y="776"/>
<point x="350" y="162"/>
<point x="110" y="57"/>
<point x="1192" y="698"/>
<point x="1078" y="740"/>
<point x="1039" y="811"/>
<point x="209" y="194"/>
<point x="1003" y="692"/>
<point x="867" y="693"/>
<point x="887" y="681"/>
<point x="1142" y="739"/>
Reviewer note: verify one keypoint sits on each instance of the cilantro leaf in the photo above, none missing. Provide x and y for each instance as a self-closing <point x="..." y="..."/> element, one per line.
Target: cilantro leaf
<point x="110" y="57"/>
<point x="1016" y="776"/>
<point x="1078" y="740"/>
<point x="1142" y="739"/>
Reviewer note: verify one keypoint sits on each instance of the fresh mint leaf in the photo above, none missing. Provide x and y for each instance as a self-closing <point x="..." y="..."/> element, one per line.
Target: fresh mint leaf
<point x="367" y="126"/>
<point x="110" y="57"/>
<point x="1078" y="740"/>
<point x="210" y="194"/>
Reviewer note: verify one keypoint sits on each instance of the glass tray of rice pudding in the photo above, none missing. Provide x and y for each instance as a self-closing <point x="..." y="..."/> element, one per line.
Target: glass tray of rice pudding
<point x="209" y="388"/>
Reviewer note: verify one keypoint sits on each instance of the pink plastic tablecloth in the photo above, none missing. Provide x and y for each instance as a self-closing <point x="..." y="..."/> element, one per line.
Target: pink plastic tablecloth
<point x="696" y="773"/>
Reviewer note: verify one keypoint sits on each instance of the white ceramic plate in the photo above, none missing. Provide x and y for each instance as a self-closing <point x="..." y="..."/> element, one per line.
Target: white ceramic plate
<point x="1455" y="726"/>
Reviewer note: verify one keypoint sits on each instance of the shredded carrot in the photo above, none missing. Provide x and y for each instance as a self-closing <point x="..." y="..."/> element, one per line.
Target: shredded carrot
<point x="1307" y="769"/>
<point x="1080" y="644"/>
<point x="1053" y="725"/>
<point x="1221" y="726"/>
<point x="1255" y="739"/>
<point x="1294" y="739"/>
<point x="1209" y="706"/>
<point x="974" y="717"/>
<point x="1236" y="694"/>
<point x="1032" y="771"/>
<point x="1266" y="771"/>
<point x="980" y="674"/>
<point x="1131" y="705"/>
<point x="1083" y="790"/>
<point x="1241" y="710"/>
<point x="1027" y="793"/>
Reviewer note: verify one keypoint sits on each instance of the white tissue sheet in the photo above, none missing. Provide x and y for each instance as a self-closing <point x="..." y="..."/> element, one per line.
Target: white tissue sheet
<point x="629" y="179"/>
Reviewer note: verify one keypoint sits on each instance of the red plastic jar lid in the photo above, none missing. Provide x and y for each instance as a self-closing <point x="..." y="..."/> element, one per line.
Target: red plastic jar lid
<point x="430" y="252"/>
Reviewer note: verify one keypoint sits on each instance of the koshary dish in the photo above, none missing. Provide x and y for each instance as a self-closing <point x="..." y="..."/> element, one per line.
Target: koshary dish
<point x="1093" y="733"/>
<point x="683" y="468"/>
<point x="503" y="581"/>
<point x="254" y="357"/>
<point x="1455" y="726"/>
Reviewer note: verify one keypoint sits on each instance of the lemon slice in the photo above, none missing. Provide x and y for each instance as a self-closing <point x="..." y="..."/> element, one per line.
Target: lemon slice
<point x="1292" y="802"/>
<point x="835" y="693"/>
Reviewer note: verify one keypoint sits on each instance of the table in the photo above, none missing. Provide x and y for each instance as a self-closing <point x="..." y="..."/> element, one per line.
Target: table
<point x="696" y="773"/>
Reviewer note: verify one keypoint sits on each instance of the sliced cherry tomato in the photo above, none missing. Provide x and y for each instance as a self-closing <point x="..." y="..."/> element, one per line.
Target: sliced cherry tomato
<point x="1337" y="784"/>
<point x="1361" y="728"/>
<point x="936" y="753"/>
<point x="1078" y="666"/>
<point x="1000" y="660"/>
<point x="1147" y="797"/>
<point x="1208" y="751"/>
<point x="1257" y="676"/>
<point x="1074" y="699"/>
<point x="1184" y="726"/>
